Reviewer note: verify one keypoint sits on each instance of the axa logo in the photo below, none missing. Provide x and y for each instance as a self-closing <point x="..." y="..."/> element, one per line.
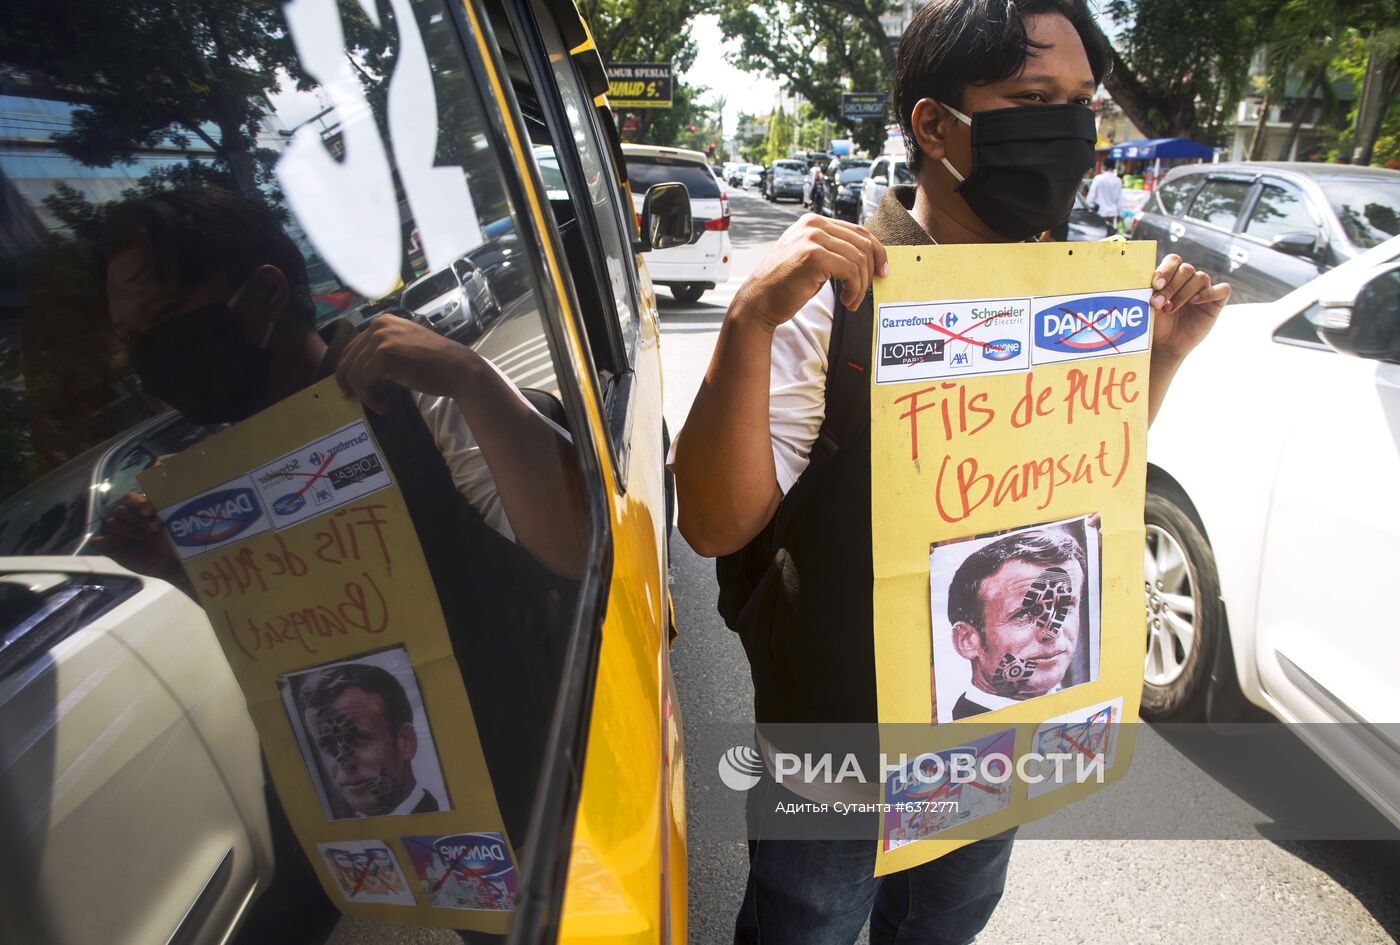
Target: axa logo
<point x="1003" y="349"/>
<point x="214" y="518"/>
<point x="1091" y="325"/>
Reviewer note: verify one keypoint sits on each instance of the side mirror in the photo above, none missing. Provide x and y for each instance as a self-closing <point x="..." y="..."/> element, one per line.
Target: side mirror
<point x="1370" y="327"/>
<point x="1297" y="243"/>
<point x="880" y="179"/>
<point x="665" y="218"/>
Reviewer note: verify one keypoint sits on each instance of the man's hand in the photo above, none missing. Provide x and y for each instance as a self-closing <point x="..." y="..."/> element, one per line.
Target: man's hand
<point x="399" y="350"/>
<point x="810" y="253"/>
<point x="1186" y="306"/>
<point x="134" y="537"/>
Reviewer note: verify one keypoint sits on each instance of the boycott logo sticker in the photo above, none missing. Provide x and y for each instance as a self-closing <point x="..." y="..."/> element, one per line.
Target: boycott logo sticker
<point x="289" y="503"/>
<point x="1002" y="349"/>
<point x="214" y="518"/>
<point x="1097" y="324"/>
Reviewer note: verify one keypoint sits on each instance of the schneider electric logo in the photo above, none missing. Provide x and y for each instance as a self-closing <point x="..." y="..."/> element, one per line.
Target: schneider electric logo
<point x="740" y="768"/>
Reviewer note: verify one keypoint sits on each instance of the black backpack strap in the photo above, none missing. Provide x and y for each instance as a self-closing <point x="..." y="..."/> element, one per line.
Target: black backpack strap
<point x="847" y="407"/>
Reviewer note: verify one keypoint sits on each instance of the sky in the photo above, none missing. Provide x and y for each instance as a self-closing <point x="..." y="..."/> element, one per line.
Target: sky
<point x="745" y="91"/>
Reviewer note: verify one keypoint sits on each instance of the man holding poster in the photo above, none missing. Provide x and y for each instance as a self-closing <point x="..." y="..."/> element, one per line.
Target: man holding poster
<point x="773" y="468"/>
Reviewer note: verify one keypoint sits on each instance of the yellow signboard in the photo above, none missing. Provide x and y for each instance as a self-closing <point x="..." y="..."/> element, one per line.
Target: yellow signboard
<point x="1008" y="425"/>
<point x="298" y="543"/>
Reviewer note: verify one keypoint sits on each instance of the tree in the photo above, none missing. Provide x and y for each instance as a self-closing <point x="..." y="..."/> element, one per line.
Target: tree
<point x="819" y="50"/>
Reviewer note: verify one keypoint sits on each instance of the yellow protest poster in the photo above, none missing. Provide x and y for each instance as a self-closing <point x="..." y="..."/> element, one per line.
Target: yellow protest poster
<point x="1008" y="452"/>
<point x="299" y="545"/>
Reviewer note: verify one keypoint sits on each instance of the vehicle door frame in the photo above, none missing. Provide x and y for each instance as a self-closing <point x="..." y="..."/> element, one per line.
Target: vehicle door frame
<point x="1258" y="243"/>
<point x="1223" y="262"/>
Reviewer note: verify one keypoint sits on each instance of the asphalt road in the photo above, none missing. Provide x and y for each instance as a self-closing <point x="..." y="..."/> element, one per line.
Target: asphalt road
<point x="1253" y="889"/>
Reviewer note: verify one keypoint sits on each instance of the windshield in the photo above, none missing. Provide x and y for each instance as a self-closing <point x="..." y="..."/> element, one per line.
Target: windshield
<point x="854" y="173"/>
<point x="647" y="172"/>
<point x="788" y="169"/>
<point x="420" y="294"/>
<point x="1369" y="210"/>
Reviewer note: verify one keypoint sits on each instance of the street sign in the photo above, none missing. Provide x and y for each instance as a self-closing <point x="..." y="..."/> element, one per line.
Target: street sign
<point x="639" y="84"/>
<point x="858" y="106"/>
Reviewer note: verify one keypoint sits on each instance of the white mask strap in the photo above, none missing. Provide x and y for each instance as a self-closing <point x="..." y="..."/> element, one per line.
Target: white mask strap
<point x="966" y="121"/>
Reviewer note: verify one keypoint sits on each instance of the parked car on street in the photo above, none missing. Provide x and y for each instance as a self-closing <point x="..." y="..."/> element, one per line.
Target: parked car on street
<point x="784" y="180"/>
<point x="885" y="170"/>
<point x="1273" y="521"/>
<point x="701" y="264"/>
<point x="138" y="803"/>
<point x="843" y="180"/>
<point x="734" y="177"/>
<point x="1268" y="228"/>
<point x="753" y="176"/>
<point x="455" y="302"/>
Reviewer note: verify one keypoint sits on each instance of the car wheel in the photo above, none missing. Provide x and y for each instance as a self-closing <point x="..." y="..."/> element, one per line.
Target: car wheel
<point x="687" y="293"/>
<point x="1183" y="609"/>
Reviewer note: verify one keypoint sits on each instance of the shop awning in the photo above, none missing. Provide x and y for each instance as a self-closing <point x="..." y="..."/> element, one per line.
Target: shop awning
<point x="1168" y="149"/>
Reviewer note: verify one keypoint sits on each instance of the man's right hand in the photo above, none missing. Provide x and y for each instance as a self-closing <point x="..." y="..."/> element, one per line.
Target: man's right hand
<point x="132" y="536"/>
<point x="809" y="254"/>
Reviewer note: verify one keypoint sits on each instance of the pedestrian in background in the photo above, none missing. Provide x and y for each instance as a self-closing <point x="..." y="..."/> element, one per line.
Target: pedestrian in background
<point x="1106" y="194"/>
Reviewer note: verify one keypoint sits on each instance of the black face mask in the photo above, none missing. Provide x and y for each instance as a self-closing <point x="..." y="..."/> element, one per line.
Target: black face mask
<point x="199" y="363"/>
<point x="1026" y="165"/>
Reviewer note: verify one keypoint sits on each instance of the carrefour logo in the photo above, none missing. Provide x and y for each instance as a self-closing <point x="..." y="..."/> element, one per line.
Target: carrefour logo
<point x="214" y="518"/>
<point x="1090" y="325"/>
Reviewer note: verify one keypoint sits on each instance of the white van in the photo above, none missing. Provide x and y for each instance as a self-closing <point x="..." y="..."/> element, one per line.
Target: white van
<point x="701" y="265"/>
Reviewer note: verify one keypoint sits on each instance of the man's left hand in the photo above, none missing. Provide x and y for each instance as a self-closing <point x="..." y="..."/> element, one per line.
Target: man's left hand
<point x="1186" y="304"/>
<point x="398" y="349"/>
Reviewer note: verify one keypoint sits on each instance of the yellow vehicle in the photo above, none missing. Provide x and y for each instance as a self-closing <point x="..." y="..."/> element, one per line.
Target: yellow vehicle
<point x="141" y="162"/>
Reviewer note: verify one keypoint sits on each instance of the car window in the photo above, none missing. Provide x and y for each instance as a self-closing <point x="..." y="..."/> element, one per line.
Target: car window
<point x="1174" y="193"/>
<point x="851" y="174"/>
<point x="1369" y="210"/>
<point x="175" y="221"/>
<point x="1301" y="329"/>
<point x="647" y="171"/>
<point x="1279" y="210"/>
<point x="1219" y="202"/>
<point x="902" y="174"/>
<point x="878" y="168"/>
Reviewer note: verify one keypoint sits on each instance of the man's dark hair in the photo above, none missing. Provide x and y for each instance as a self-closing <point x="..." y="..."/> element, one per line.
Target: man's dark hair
<point x="1109" y="163"/>
<point x="1044" y="547"/>
<point x="953" y="43"/>
<point x="197" y="233"/>
<point x="326" y="686"/>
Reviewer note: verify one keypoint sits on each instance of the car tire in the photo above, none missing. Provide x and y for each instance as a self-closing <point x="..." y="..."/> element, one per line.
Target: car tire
<point x="1183" y="609"/>
<point x="687" y="293"/>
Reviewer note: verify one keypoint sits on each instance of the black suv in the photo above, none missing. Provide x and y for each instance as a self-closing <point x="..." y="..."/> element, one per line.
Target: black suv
<point x="843" y="180"/>
<point x="1267" y="228"/>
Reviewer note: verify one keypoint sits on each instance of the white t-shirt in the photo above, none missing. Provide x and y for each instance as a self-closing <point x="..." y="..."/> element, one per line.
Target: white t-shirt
<point x="457" y="444"/>
<point x="1106" y="194"/>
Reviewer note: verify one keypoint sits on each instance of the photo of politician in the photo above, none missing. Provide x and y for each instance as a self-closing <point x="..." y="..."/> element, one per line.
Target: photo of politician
<point x="1015" y="615"/>
<point x="364" y="736"/>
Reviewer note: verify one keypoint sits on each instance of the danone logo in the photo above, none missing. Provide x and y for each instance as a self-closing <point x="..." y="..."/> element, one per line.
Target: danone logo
<point x="1003" y="349"/>
<point x="479" y="853"/>
<point x="289" y="503"/>
<point x="1090" y="325"/>
<point x="214" y="518"/>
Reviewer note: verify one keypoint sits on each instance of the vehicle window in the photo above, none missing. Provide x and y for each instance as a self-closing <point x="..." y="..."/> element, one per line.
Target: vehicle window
<point x="604" y="198"/>
<point x="1369" y="210"/>
<point x="788" y="168"/>
<point x="851" y="174"/>
<point x="1301" y="330"/>
<point x="645" y="172"/>
<point x="902" y="174"/>
<point x="1219" y="202"/>
<point x="1279" y="210"/>
<point x="1174" y="194"/>
<point x="192" y="237"/>
<point x="878" y="170"/>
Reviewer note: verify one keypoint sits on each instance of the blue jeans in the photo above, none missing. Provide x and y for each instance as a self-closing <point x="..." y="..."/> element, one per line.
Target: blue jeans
<point x="819" y="892"/>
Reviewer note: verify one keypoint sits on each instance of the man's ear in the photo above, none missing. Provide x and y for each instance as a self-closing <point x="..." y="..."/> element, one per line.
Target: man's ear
<point x="931" y="122"/>
<point x="967" y="641"/>
<point x="408" y="741"/>
<point x="270" y="286"/>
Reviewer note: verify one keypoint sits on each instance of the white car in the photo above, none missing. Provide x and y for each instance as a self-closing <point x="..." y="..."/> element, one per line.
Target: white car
<point x="455" y="302"/>
<point x="886" y="169"/>
<point x="702" y="264"/>
<point x="1273" y="522"/>
<point x="753" y="176"/>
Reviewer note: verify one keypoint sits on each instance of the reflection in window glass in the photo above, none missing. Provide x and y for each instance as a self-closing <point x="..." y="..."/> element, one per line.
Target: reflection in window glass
<point x="1173" y="193"/>
<point x="1219" y="202"/>
<point x="180" y="255"/>
<point x="1369" y="210"/>
<point x="1279" y="210"/>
